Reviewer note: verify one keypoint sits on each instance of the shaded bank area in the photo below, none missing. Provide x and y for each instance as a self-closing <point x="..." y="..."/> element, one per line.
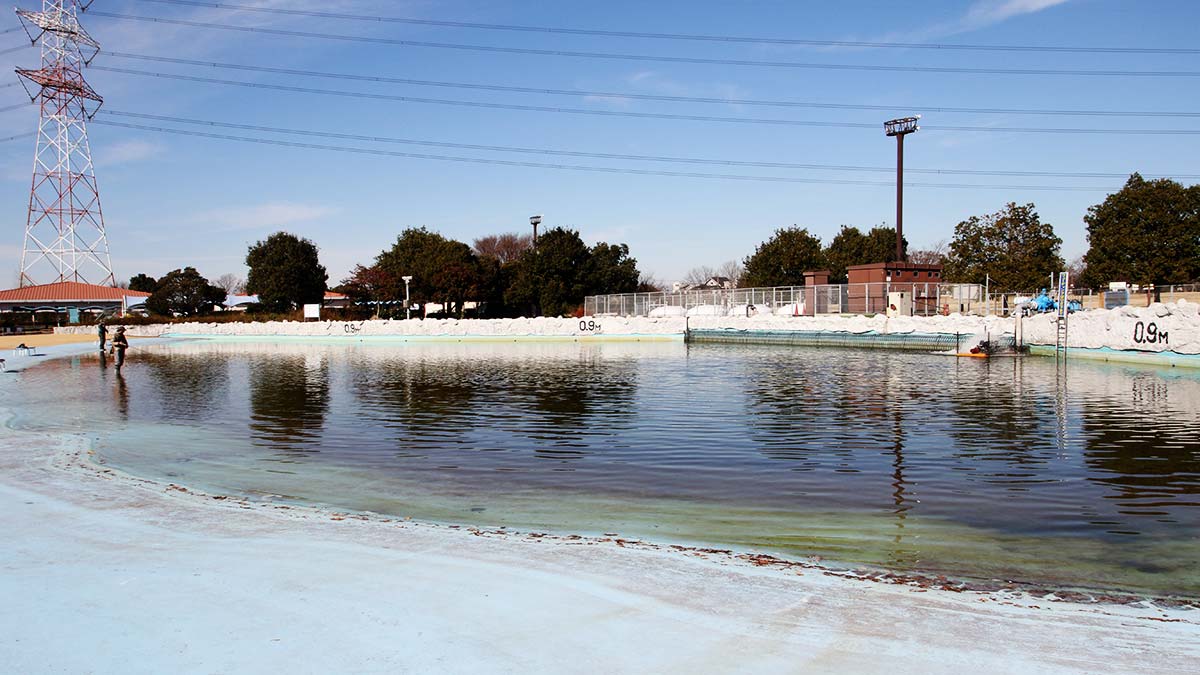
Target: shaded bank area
<point x="147" y="577"/>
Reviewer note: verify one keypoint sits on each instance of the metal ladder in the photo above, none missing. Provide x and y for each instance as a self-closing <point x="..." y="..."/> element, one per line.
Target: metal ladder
<point x="1060" y="340"/>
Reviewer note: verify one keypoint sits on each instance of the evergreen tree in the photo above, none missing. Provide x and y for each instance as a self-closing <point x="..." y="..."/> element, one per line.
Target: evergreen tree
<point x="609" y="269"/>
<point x="851" y="247"/>
<point x="184" y="293"/>
<point x="549" y="279"/>
<point x="143" y="282"/>
<point x="285" y="272"/>
<point x="1147" y="233"/>
<point x="1012" y="246"/>
<point x="443" y="270"/>
<point x="783" y="259"/>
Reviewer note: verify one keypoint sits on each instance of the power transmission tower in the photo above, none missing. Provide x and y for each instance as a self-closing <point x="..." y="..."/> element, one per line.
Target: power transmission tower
<point x="64" y="235"/>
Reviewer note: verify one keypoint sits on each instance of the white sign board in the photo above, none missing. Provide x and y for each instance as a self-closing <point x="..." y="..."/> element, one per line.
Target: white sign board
<point x="312" y="311"/>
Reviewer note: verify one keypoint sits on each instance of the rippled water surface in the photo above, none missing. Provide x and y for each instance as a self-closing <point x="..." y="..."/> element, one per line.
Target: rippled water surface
<point x="1005" y="469"/>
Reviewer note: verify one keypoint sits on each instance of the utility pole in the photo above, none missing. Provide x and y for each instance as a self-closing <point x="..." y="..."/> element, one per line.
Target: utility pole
<point x="900" y="128"/>
<point x="64" y="233"/>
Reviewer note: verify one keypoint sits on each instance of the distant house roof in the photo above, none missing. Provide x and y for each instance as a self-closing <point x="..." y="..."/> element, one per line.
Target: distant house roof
<point x="330" y="295"/>
<point x="68" y="291"/>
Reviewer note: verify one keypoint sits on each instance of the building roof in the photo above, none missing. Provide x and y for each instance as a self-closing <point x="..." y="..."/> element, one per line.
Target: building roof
<point x="331" y="295"/>
<point x="68" y="291"/>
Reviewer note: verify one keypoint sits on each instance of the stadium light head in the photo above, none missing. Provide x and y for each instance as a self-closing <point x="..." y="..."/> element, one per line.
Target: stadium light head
<point x="535" y="220"/>
<point x="901" y="126"/>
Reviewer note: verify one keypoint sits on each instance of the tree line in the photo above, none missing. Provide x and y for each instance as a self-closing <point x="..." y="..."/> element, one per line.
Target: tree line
<point x="504" y="275"/>
<point x="1147" y="233"/>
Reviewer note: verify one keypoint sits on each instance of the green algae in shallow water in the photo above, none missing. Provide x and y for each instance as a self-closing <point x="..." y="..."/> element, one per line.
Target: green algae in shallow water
<point x="845" y="538"/>
<point x="1009" y="470"/>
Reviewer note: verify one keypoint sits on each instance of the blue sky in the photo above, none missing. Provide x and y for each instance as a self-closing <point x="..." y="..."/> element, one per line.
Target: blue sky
<point x="171" y="201"/>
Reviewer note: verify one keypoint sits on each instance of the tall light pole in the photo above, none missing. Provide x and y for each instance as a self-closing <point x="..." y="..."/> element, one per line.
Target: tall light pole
<point x="900" y="128"/>
<point x="535" y="221"/>
<point x="407" y="303"/>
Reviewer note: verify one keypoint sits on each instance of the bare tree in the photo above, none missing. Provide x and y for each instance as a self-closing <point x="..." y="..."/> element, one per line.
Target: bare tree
<point x="1076" y="269"/>
<point x="699" y="275"/>
<point x="732" y="270"/>
<point x="231" y="283"/>
<point x="934" y="255"/>
<point x="648" y="283"/>
<point x="505" y="247"/>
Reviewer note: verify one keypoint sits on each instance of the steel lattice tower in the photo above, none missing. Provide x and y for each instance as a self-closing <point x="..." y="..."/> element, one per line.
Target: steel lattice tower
<point x="64" y="235"/>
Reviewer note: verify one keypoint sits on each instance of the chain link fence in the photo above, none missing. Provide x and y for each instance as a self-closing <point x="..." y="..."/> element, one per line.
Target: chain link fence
<point x="922" y="300"/>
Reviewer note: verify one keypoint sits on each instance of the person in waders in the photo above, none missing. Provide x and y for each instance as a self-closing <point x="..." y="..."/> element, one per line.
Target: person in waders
<point x="102" y="333"/>
<point x="120" y="344"/>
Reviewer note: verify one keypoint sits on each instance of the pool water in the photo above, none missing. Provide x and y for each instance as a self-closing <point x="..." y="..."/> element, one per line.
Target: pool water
<point x="1086" y="476"/>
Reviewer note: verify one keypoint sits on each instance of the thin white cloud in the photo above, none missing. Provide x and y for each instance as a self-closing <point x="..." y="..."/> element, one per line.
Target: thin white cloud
<point x="614" y="101"/>
<point x="261" y="216"/>
<point x="988" y="12"/>
<point x="651" y="82"/>
<point x="978" y="15"/>
<point x="126" y="152"/>
<point x="981" y="14"/>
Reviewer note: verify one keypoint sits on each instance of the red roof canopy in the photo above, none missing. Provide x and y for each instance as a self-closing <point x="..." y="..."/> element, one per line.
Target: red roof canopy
<point x="68" y="291"/>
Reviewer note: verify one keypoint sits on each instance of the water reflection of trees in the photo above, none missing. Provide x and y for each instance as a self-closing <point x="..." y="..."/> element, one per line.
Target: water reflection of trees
<point x="577" y="407"/>
<point x="424" y="404"/>
<point x="814" y="407"/>
<point x="551" y="406"/>
<point x="1146" y="448"/>
<point x="189" y="387"/>
<point x="820" y="410"/>
<point x="289" y="400"/>
<point x="995" y="417"/>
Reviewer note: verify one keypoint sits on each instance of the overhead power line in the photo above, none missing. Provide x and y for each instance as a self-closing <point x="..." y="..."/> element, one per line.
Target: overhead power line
<point x="650" y="57"/>
<point x="575" y="167"/>
<point x="626" y="113"/>
<point x="857" y="44"/>
<point x="27" y="134"/>
<point x="614" y="156"/>
<point x="14" y="49"/>
<point x="16" y="106"/>
<point x="639" y="96"/>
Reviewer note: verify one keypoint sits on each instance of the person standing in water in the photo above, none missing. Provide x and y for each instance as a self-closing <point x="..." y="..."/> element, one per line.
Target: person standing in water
<point x="120" y="344"/>
<point x="102" y="332"/>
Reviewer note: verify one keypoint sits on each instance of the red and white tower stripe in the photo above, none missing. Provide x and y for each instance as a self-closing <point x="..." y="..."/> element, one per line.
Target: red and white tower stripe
<point x="64" y="236"/>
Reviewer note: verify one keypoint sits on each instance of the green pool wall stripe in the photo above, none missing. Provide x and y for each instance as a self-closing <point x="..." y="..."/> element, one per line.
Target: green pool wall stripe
<point x="930" y="342"/>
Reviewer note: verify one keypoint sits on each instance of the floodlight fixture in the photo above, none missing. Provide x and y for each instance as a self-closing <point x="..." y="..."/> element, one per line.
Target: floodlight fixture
<point x="535" y="221"/>
<point x="902" y="126"/>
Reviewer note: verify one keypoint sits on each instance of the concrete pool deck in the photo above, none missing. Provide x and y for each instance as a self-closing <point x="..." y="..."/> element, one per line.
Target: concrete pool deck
<point x="104" y="572"/>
